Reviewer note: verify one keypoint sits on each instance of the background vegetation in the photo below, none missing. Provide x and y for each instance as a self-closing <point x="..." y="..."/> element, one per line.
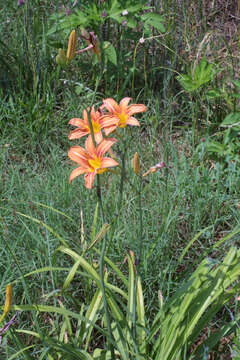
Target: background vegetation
<point x="183" y="63"/>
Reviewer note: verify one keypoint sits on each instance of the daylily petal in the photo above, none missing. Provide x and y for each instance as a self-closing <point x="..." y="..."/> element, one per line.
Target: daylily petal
<point x="104" y="146"/>
<point x="77" y="122"/>
<point x="132" y="121"/>
<point x="79" y="155"/>
<point x="108" y="162"/>
<point x="89" y="179"/>
<point x="98" y="137"/>
<point x="110" y="129"/>
<point x="136" y="108"/>
<point x="95" y="115"/>
<point x="111" y="105"/>
<point x="77" y="133"/>
<point x="108" y="120"/>
<point x="90" y="147"/>
<point x="76" y="172"/>
<point x="85" y="116"/>
<point x="124" y="102"/>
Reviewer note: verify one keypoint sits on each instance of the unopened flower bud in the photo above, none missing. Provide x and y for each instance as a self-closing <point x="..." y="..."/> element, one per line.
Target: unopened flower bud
<point x="8" y="302"/>
<point x="136" y="163"/>
<point x="72" y="45"/>
<point x="61" y="58"/>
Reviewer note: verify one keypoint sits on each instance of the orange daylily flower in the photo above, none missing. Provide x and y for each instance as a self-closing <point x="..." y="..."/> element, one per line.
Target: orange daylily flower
<point x="91" y="160"/>
<point x="121" y="113"/>
<point x="83" y="127"/>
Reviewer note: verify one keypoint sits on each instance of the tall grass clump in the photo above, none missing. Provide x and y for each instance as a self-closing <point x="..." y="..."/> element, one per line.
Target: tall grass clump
<point x="125" y="329"/>
<point x="133" y="253"/>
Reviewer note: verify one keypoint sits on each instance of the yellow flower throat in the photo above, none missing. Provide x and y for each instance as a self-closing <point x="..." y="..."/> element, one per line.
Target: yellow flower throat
<point x="122" y="119"/>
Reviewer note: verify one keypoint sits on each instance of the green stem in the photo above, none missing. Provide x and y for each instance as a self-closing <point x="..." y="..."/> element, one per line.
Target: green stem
<point x="134" y="67"/>
<point x="105" y="304"/>
<point x="101" y="261"/>
<point x="123" y="171"/>
<point x="101" y="273"/>
<point x="140" y="220"/>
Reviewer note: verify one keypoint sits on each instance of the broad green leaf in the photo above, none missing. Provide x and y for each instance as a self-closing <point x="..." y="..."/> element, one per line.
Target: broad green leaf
<point x="71" y="275"/>
<point x="141" y="318"/>
<point x="214" y="147"/>
<point x="85" y="265"/>
<point x="63" y="22"/>
<point x="236" y="83"/>
<point x="131" y="23"/>
<point x="213" y="94"/>
<point x="190" y="313"/>
<point x="209" y="291"/>
<point x="28" y="332"/>
<point x="153" y="19"/>
<point x="90" y="271"/>
<point x="231" y="120"/>
<point x="110" y="52"/>
<point x="131" y="306"/>
<point x="175" y="311"/>
<point x="57" y="310"/>
<point x="201" y="75"/>
<point x="91" y="316"/>
<point x="101" y="354"/>
<point x="121" y="340"/>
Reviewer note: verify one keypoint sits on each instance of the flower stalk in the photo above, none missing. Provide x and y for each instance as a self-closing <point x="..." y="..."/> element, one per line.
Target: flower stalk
<point x="103" y="251"/>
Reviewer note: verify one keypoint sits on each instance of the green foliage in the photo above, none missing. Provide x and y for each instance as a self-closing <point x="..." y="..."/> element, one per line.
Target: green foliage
<point x="202" y="74"/>
<point x="24" y="57"/>
<point x="235" y="348"/>
<point x="175" y="327"/>
<point x="152" y="20"/>
<point x="227" y="148"/>
<point x="93" y="16"/>
<point x="59" y="292"/>
<point x="110" y="52"/>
